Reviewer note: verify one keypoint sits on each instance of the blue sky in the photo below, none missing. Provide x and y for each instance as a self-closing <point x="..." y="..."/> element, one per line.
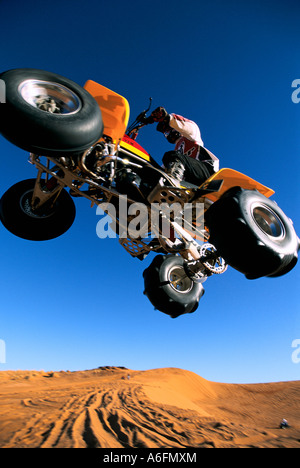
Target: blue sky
<point x="76" y="302"/>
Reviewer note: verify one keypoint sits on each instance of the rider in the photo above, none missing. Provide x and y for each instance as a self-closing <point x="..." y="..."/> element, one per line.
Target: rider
<point x="189" y="160"/>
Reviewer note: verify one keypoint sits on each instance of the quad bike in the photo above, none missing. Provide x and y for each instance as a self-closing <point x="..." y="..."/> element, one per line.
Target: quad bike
<point x="78" y="138"/>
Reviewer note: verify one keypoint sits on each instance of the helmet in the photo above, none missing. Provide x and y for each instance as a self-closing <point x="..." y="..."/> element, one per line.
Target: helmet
<point x="170" y="133"/>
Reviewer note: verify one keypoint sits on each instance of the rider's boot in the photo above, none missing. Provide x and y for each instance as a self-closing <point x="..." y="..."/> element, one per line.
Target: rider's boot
<point x="176" y="170"/>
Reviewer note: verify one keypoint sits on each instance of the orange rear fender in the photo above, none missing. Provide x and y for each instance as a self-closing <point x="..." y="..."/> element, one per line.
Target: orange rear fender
<point x="232" y="178"/>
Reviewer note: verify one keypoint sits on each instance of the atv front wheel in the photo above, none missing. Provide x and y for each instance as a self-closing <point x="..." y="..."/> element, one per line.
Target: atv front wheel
<point x="45" y="113"/>
<point x="252" y="234"/>
<point x="46" y="223"/>
<point x="168" y="287"/>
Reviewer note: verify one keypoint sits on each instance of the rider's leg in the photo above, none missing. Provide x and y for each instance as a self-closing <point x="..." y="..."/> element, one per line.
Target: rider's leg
<point x="187" y="168"/>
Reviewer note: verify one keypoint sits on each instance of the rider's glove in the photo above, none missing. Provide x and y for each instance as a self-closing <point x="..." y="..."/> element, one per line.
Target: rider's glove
<point x="148" y="120"/>
<point x="159" y="114"/>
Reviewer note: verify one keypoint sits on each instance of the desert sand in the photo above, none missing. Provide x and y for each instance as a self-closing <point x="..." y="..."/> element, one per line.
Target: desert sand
<point x="113" y="407"/>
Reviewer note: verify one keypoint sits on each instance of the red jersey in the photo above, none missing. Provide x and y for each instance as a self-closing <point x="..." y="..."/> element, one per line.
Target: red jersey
<point x="190" y="140"/>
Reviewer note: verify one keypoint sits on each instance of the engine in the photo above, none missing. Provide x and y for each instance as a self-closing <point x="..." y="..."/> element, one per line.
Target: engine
<point x="128" y="182"/>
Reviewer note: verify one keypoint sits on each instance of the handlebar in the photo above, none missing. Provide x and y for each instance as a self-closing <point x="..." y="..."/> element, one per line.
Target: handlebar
<point x="140" y="122"/>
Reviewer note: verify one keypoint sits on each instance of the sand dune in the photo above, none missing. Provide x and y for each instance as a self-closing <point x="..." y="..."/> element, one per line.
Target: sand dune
<point x="113" y="407"/>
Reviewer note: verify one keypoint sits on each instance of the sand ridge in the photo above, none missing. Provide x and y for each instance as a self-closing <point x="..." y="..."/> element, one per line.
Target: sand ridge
<point x="113" y="407"/>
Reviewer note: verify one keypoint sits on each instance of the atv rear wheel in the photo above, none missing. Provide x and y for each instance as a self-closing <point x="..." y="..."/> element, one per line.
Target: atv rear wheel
<point x="45" y="113"/>
<point x="17" y="215"/>
<point x="168" y="287"/>
<point x="252" y="234"/>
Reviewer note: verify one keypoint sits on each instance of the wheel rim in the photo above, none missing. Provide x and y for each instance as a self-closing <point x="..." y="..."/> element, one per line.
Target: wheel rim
<point x="268" y="221"/>
<point x="179" y="280"/>
<point x="25" y="204"/>
<point x="50" y="97"/>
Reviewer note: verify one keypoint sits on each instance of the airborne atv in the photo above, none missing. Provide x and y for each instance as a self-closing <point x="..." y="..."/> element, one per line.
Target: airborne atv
<point x="78" y="138"/>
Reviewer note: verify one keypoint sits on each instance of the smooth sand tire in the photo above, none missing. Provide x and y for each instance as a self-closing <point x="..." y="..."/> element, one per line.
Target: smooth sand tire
<point x="47" y="223"/>
<point x="46" y="114"/>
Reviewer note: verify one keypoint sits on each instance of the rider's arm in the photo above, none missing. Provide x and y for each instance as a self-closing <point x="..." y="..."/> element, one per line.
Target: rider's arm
<point x="186" y="128"/>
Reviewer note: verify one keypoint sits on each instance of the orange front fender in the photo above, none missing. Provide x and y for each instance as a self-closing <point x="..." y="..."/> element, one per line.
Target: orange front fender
<point x="114" y="108"/>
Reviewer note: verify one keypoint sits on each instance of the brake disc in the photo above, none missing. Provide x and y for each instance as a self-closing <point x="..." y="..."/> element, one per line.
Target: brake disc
<point x="210" y="259"/>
